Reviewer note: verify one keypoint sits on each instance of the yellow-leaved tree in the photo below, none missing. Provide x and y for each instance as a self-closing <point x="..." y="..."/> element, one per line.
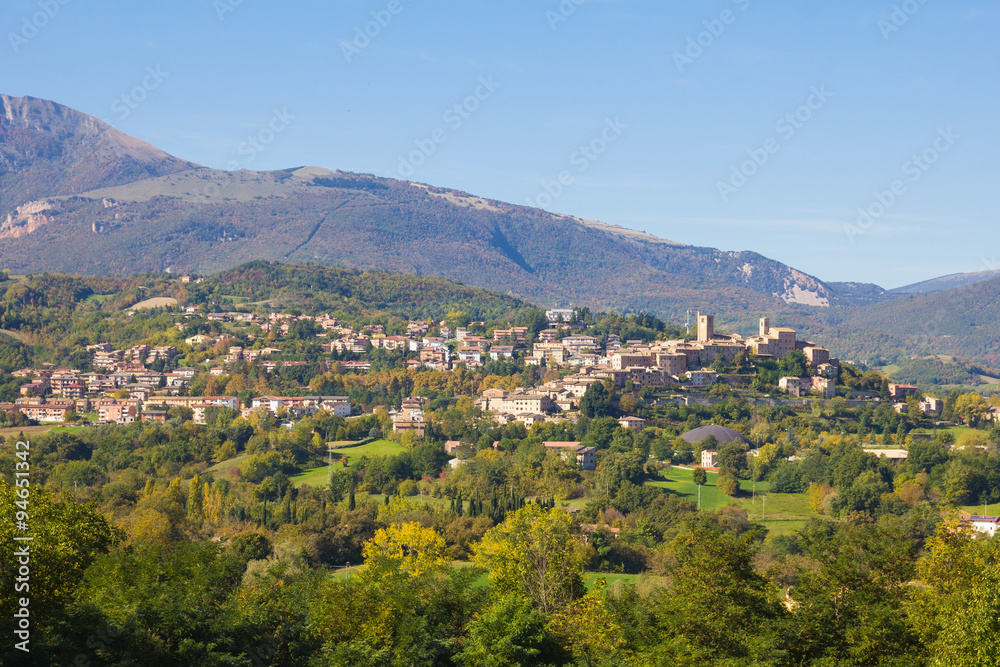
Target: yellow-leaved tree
<point x="537" y="554"/>
<point x="408" y="547"/>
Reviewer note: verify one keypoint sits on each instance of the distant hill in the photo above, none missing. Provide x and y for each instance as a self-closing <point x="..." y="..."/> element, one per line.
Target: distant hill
<point x="946" y="282"/>
<point x="320" y="289"/>
<point x="118" y="206"/>
<point x="942" y="371"/>
<point x="963" y="322"/>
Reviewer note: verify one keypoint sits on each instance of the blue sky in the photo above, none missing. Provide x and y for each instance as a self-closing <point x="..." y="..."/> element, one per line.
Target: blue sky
<point x="736" y="124"/>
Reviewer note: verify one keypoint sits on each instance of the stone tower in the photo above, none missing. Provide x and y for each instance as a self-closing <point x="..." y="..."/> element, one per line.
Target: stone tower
<point x="765" y="326"/>
<point x="706" y="327"/>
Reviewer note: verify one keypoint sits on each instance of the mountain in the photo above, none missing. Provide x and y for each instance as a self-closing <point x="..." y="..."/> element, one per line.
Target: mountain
<point x="47" y="149"/>
<point x="962" y="322"/>
<point x="79" y="196"/>
<point x="947" y="282"/>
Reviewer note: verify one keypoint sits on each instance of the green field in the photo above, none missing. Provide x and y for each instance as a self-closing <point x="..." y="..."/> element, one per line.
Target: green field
<point x="98" y="298"/>
<point x="222" y="470"/>
<point x="779" y="512"/>
<point x="318" y="476"/>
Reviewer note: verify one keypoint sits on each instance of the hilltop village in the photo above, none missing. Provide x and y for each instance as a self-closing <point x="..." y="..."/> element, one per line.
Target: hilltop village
<point x="141" y="383"/>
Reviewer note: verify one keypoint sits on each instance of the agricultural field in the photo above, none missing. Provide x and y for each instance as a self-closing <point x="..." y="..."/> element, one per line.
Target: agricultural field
<point x="778" y="512"/>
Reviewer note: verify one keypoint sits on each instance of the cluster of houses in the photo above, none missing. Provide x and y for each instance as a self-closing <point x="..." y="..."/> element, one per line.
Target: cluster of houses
<point x="658" y="364"/>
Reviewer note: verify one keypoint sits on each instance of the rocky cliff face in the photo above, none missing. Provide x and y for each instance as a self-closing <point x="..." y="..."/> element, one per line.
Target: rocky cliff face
<point x="25" y="219"/>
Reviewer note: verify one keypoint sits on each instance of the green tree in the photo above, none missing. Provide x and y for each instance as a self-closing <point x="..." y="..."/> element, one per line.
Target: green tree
<point x="596" y="401"/>
<point x="733" y="458"/>
<point x="66" y="539"/>
<point x="718" y="609"/>
<point x="699" y="476"/>
<point x="957" y="610"/>
<point x="851" y="594"/>
<point x="510" y="632"/>
<point x="728" y="484"/>
<point x="534" y="553"/>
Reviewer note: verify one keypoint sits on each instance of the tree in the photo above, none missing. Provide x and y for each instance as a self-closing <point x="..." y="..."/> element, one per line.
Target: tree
<point x="733" y="458"/>
<point x="717" y="609"/>
<point x="850" y="596"/>
<point x="728" y="484"/>
<point x="700" y="476"/>
<point x="407" y="547"/>
<point x="793" y="364"/>
<point x="957" y="610"/>
<point x="510" y="632"/>
<point x="596" y="401"/>
<point x="971" y="408"/>
<point x="617" y="468"/>
<point x="67" y="538"/>
<point x="534" y="553"/>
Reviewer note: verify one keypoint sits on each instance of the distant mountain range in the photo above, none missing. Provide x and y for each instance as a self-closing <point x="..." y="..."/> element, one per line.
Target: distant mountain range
<point x="947" y="282"/>
<point x="79" y="196"/>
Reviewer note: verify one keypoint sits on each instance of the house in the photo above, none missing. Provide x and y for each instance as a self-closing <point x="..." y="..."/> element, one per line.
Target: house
<point x="520" y="403"/>
<point x="117" y="413"/>
<point x="452" y="446"/>
<point x="709" y="458"/>
<point x="703" y="378"/>
<point x="984" y="525"/>
<point x="825" y="387"/>
<point x="470" y="356"/>
<point x="586" y="457"/>
<point x="158" y="416"/>
<point x="498" y="352"/>
<point x="409" y="421"/>
<point x="890" y="454"/>
<point x="931" y="405"/>
<point x="530" y="419"/>
<point x="899" y="392"/>
<point x="633" y="423"/>
<point x="560" y="315"/>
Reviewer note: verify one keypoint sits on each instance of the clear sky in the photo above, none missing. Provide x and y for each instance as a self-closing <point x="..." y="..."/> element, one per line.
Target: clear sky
<point x="736" y="124"/>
